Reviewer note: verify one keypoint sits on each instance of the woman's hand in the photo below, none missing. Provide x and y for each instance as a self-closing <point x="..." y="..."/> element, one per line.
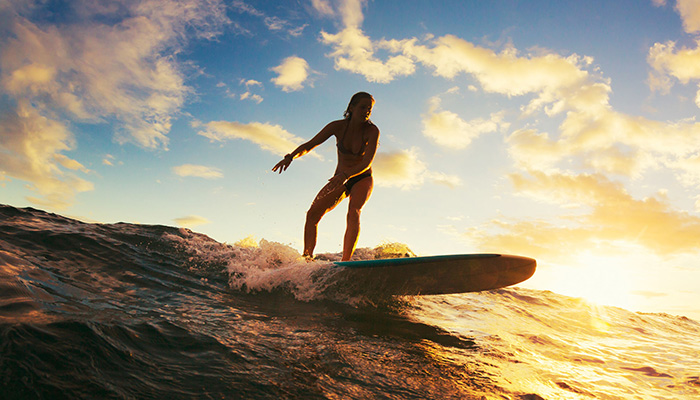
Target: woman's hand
<point x="333" y="184"/>
<point x="284" y="164"/>
<point x="337" y="180"/>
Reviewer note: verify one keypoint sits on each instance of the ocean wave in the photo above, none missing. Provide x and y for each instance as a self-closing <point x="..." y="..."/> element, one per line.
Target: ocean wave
<point x="146" y="311"/>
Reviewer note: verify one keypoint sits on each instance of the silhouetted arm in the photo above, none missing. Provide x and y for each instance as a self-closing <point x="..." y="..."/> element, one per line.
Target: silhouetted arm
<point x="304" y="148"/>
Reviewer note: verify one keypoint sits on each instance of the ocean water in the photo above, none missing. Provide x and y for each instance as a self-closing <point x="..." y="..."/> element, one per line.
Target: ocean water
<point x="124" y="311"/>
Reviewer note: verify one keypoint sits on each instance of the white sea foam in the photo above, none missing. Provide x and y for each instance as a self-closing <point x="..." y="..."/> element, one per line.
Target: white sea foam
<point x="255" y="267"/>
<point x="270" y="266"/>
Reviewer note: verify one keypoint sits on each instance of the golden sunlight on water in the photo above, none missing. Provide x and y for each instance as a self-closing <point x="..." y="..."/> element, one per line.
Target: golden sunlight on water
<point x="598" y="279"/>
<point x="564" y="348"/>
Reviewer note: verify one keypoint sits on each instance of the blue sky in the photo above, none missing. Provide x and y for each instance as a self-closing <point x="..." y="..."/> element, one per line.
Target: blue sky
<point x="564" y="131"/>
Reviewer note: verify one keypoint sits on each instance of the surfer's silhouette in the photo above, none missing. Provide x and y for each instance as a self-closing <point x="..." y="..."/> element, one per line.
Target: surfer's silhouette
<point x="357" y="139"/>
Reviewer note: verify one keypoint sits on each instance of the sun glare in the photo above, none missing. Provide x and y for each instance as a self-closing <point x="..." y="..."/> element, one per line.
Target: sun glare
<point x="602" y="280"/>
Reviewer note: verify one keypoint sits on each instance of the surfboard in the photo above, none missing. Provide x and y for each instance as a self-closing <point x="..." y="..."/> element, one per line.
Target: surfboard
<point x="443" y="274"/>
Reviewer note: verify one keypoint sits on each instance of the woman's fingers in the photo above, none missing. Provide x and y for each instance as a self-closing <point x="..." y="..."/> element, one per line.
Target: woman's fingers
<point x="282" y="166"/>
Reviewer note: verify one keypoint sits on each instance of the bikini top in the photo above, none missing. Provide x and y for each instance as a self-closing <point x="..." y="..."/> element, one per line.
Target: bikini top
<point x="341" y="147"/>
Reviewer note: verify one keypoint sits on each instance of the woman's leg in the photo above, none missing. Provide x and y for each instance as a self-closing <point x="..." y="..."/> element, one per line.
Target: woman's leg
<point x="323" y="203"/>
<point x="358" y="197"/>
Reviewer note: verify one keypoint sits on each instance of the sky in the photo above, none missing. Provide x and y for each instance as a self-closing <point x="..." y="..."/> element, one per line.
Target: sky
<point x="565" y="131"/>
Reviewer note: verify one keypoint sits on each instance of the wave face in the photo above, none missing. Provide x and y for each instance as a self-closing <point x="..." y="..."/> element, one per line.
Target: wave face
<point x="125" y="311"/>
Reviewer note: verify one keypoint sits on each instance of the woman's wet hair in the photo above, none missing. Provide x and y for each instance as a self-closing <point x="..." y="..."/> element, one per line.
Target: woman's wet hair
<point x="356" y="98"/>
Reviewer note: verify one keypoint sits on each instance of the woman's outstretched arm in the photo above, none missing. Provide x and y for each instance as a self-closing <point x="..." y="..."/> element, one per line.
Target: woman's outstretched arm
<point x="304" y="148"/>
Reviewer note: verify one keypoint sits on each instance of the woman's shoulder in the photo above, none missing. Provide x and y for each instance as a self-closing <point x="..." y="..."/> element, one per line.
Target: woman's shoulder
<point x="336" y="125"/>
<point x="372" y="128"/>
<point x="338" y="122"/>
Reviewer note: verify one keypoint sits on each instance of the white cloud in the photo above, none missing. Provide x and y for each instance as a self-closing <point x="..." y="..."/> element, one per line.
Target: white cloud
<point x="93" y="71"/>
<point x="611" y="142"/>
<point x="108" y="160"/>
<point x="242" y="7"/>
<point x="250" y="82"/>
<point x="615" y="214"/>
<point x="250" y="85"/>
<point x="448" y="129"/>
<point x="666" y="61"/>
<point x="354" y="52"/>
<point x="272" y="138"/>
<point x="680" y="63"/>
<point x="32" y="147"/>
<point x="323" y="7"/>
<point x="351" y="11"/>
<point x="669" y="62"/>
<point x="534" y="150"/>
<point x="198" y="171"/>
<point x="451" y="181"/>
<point x="296" y="32"/>
<point x="402" y="169"/>
<point x="252" y="96"/>
<point x="292" y="74"/>
<point x="689" y="11"/>
<point x="505" y="72"/>
<point x="69" y="163"/>
<point x="273" y="23"/>
<point x="191" y="221"/>
<point x="609" y="219"/>
<point x="405" y="170"/>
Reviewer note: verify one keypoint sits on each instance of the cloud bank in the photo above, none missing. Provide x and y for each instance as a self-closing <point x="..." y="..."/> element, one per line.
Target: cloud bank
<point x="102" y="64"/>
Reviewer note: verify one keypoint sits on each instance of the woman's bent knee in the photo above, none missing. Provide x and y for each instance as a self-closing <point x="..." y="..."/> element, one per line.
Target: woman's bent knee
<point x="313" y="217"/>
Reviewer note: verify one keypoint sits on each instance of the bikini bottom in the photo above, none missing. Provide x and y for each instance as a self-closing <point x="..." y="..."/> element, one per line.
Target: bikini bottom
<point x="352" y="181"/>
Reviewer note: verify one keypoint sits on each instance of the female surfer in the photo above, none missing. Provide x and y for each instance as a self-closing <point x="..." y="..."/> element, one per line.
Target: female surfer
<point x="357" y="139"/>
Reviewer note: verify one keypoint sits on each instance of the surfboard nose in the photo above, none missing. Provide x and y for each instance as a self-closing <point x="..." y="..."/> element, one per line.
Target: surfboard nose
<point x="516" y="269"/>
